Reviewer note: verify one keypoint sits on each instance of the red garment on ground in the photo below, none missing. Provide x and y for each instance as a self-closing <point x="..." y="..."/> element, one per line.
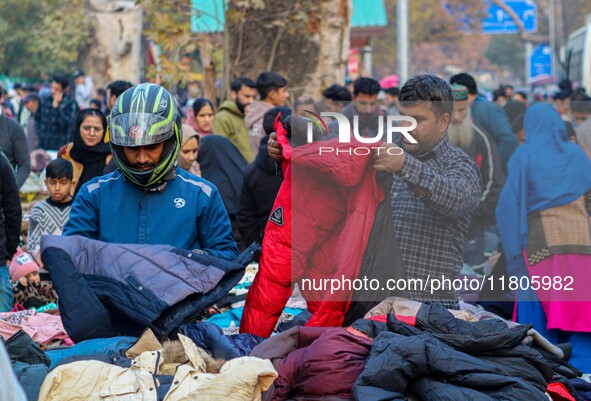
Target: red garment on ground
<point x="559" y="393"/>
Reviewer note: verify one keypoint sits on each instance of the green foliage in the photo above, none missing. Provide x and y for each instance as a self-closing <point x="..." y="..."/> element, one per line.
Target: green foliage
<point x="168" y="24"/>
<point x="42" y="37"/>
<point x="507" y="51"/>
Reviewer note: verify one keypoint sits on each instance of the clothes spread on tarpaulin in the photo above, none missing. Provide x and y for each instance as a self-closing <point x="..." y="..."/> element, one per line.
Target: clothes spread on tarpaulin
<point x="109" y="290"/>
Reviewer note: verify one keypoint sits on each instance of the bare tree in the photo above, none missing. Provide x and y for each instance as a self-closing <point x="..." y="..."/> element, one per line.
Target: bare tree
<point x="307" y="41"/>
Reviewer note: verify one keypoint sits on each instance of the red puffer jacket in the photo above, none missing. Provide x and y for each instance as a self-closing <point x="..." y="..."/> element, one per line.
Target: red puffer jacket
<point x="328" y="204"/>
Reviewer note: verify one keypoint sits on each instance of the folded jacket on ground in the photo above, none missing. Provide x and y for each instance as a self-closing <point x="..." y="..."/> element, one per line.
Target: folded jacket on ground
<point x="108" y="290"/>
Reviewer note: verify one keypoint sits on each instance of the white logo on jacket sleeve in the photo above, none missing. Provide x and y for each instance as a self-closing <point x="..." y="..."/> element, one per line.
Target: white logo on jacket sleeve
<point x="277" y="216"/>
<point x="179" y="203"/>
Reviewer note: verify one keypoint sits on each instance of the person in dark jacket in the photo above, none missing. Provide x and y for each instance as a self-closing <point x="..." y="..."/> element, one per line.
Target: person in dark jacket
<point x="222" y="164"/>
<point x="260" y="186"/>
<point x="364" y="106"/>
<point x="13" y="142"/>
<point x="88" y="152"/>
<point x="472" y="140"/>
<point x="10" y="228"/>
<point x="490" y="118"/>
<point x="56" y="115"/>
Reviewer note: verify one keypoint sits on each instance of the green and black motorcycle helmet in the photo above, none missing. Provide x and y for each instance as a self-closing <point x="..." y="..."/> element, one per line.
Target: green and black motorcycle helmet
<point x="143" y="115"/>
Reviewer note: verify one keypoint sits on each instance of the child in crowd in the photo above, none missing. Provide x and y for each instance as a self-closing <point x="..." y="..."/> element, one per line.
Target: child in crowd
<point x="51" y="215"/>
<point x="27" y="287"/>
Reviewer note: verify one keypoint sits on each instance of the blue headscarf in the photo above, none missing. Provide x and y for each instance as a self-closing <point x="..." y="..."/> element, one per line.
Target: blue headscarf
<point x="547" y="171"/>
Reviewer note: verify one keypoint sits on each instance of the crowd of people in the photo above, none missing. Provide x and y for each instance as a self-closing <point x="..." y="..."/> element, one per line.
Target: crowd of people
<point x="505" y="180"/>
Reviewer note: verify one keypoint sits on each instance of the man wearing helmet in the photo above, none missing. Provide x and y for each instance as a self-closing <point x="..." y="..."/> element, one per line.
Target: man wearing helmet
<point x="149" y="200"/>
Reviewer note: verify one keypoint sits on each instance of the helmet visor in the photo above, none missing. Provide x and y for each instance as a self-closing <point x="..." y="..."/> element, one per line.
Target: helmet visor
<point x="139" y="129"/>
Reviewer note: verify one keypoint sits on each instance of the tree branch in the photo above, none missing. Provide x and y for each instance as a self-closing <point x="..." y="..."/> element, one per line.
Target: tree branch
<point x="525" y="36"/>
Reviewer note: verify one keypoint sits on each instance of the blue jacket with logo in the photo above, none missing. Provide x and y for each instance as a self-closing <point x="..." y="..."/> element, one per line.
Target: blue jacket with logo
<point x="188" y="214"/>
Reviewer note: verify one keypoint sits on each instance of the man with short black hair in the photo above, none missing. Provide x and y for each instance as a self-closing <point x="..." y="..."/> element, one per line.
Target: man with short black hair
<point x="508" y="91"/>
<point x="114" y="89"/>
<point x="335" y="97"/>
<point x="490" y="118"/>
<point x="364" y="106"/>
<point x="272" y="89"/>
<point x="436" y="188"/>
<point x="229" y="121"/>
<point x="520" y="97"/>
<point x="56" y="116"/>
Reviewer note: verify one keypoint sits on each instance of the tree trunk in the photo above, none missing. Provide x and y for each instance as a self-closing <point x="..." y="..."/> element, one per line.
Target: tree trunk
<point x="116" y="51"/>
<point x="307" y="42"/>
<point x="206" y="54"/>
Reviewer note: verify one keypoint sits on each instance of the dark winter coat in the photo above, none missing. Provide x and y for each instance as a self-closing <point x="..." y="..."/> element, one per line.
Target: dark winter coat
<point x="108" y="290"/>
<point x="13" y="142"/>
<point x="11" y="216"/>
<point x="259" y="190"/>
<point x="222" y="164"/>
<point x="484" y="152"/>
<point x="445" y="358"/>
<point x="493" y="120"/>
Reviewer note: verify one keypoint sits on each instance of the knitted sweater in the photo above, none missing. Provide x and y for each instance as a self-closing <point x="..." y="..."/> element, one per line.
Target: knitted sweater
<point x="47" y="217"/>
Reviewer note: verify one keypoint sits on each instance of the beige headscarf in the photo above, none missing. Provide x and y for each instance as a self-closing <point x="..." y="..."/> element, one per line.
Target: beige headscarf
<point x="188" y="133"/>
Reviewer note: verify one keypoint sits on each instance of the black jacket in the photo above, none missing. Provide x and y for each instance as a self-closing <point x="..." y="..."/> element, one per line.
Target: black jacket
<point x="13" y="143"/>
<point x="259" y="190"/>
<point x="223" y="165"/>
<point x="11" y="216"/>
<point x="445" y="358"/>
<point x="483" y="151"/>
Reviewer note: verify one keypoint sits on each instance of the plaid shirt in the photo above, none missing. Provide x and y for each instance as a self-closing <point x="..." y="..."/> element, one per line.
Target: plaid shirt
<point x="431" y="229"/>
<point x="54" y="125"/>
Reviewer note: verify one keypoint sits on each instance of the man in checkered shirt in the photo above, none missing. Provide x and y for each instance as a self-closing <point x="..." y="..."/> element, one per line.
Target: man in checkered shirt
<point x="436" y="188"/>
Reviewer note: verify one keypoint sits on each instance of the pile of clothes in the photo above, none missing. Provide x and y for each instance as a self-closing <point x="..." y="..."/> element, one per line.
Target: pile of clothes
<point x="140" y="319"/>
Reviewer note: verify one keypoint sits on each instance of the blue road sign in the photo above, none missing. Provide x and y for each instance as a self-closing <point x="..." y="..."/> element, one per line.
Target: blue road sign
<point x="540" y="64"/>
<point x="499" y="21"/>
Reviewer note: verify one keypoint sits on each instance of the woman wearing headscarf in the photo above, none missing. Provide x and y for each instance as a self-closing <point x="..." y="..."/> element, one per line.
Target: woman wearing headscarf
<point x="88" y="152"/>
<point x="200" y="116"/>
<point x="187" y="158"/>
<point x="223" y="165"/>
<point x="543" y="220"/>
